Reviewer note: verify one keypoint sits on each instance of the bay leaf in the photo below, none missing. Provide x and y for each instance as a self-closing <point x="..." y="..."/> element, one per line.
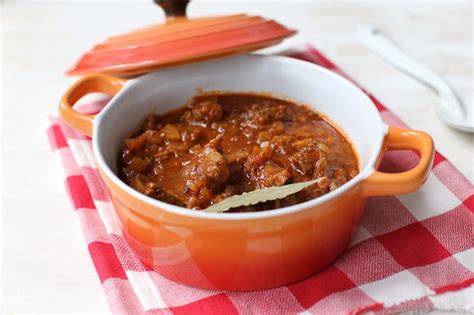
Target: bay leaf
<point x="260" y="195"/>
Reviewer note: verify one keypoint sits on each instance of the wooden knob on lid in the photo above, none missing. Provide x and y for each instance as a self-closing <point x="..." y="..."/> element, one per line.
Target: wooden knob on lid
<point x="173" y="8"/>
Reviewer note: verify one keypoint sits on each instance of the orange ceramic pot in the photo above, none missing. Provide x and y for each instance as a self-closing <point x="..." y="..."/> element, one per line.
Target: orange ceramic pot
<point x="244" y="251"/>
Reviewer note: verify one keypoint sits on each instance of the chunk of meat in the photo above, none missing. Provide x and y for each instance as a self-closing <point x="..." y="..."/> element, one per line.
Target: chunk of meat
<point x="262" y="114"/>
<point x="263" y="136"/>
<point x="277" y="128"/>
<point x="303" y="162"/>
<point x="320" y="168"/>
<point x="213" y="165"/>
<point x="215" y="143"/>
<point x="238" y="157"/>
<point x="191" y="134"/>
<point x="152" y="137"/>
<point x="147" y="142"/>
<point x="171" y="133"/>
<point x="206" y="169"/>
<point x="135" y="143"/>
<point x="261" y="171"/>
<point x="138" y="164"/>
<point x="206" y="111"/>
<point x="259" y="156"/>
<point x="268" y="175"/>
<point x="305" y="159"/>
<point x="282" y="144"/>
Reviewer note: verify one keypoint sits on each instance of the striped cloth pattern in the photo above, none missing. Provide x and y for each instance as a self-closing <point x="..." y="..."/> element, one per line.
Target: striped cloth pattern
<point x="411" y="252"/>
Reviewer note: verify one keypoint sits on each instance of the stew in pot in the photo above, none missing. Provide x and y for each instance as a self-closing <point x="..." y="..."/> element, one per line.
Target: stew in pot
<point x="222" y="144"/>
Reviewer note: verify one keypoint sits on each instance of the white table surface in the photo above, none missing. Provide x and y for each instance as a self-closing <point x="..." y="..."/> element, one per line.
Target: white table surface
<point x="45" y="263"/>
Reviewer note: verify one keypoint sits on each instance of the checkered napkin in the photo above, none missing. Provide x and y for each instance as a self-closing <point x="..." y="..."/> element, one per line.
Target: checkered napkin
<point x="411" y="252"/>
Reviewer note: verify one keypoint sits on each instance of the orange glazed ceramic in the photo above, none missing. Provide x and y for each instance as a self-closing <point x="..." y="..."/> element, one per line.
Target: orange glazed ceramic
<point x="244" y="251"/>
<point x="180" y="41"/>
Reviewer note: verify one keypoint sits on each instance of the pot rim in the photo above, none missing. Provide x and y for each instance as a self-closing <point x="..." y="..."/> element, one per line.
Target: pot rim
<point x="363" y="174"/>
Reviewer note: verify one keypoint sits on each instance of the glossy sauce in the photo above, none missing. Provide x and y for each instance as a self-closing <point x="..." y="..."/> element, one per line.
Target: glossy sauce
<point x="222" y="144"/>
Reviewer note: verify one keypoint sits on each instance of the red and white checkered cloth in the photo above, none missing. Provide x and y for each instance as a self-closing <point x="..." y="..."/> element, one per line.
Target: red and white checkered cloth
<point x="409" y="251"/>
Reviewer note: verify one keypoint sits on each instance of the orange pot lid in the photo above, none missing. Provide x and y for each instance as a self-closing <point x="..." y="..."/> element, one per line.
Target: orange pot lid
<point x="180" y="40"/>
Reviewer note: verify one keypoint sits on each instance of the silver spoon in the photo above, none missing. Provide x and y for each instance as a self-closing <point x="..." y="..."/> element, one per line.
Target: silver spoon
<point x="452" y="110"/>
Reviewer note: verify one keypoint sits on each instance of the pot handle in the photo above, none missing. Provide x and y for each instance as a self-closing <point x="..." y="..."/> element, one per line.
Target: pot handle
<point x="89" y="84"/>
<point x="385" y="184"/>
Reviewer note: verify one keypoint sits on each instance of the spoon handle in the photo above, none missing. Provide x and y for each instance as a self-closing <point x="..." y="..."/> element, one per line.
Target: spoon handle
<point x="385" y="48"/>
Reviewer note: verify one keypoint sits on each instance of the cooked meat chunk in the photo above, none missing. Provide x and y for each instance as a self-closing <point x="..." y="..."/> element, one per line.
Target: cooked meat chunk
<point x="170" y="133"/>
<point x="283" y="144"/>
<point x="305" y="159"/>
<point x="262" y="114"/>
<point x="205" y="111"/>
<point x="262" y="171"/>
<point x="206" y="169"/>
<point x="303" y="162"/>
<point x="135" y="143"/>
<point x="268" y="175"/>
<point x="238" y="157"/>
<point x="138" y="164"/>
<point x="259" y="157"/>
<point x="213" y="165"/>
